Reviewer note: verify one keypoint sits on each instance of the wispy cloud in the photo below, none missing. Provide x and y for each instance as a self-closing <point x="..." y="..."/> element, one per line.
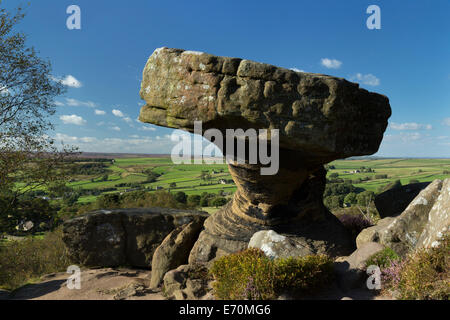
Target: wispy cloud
<point x="118" y="113"/>
<point x="367" y="79"/>
<point x="410" y="126"/>
<point x="72" y="119"/>
<point x="330" y="63"/>
<point x="145" y="128"/>
<point x="58" y="104"/>
<point x="100" y="112"/>
<point x="116" y="128"/>
<point x="69" y="81"/>
<point x="77" y="103"/>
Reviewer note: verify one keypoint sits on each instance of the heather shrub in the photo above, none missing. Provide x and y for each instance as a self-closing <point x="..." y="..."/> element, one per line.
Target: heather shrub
<point x="25" y="260"/>
<point x="426" y="274"/>
<point x="383" y="259"/>
<point x="423" y="275"/>
<point x="249" y="274"/>
<point x="302" y="274"/>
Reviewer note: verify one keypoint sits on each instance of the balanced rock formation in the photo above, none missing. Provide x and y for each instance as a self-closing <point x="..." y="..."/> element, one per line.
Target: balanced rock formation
<point x="421" y="224"/>
<point x="320" y="118"/>
<point x="122" y="237"/>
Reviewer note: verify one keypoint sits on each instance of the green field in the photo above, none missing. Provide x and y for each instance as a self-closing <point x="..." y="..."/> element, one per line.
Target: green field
<point x="404" y="170"/>
<point x="187" y="177"/>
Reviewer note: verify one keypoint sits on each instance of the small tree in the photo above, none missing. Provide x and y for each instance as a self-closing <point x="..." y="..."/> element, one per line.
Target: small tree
<point x="350" y="198"/>
<point x="218" y="201"/>
<point x="181" y="197"/>
<point x="29" y="160"/>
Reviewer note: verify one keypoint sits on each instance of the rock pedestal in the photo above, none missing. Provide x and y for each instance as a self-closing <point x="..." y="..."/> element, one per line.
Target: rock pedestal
<point x="320" y="118"/>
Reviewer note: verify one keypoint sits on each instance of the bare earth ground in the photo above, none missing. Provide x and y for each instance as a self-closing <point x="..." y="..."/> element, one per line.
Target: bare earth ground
<point x="96" y="284"/>
<point x="132" y="284"/>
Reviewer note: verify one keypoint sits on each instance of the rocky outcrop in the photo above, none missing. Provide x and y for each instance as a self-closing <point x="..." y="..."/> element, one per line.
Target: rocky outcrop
<point x="320" y="118"/>
<point x="420" y="225"/>
<point x="393" y="202"/>
<point x="187" y="282"/>
<point x="174" y="250"/>
<point x="122" y="237"/>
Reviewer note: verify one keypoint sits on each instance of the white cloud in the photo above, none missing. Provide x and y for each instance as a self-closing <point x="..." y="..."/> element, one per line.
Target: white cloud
<point x="331" y="63"/>
<point x="100" y="112"/>
<point x="145" y="128"/>
<point x="413" y="136"/>
<point x="297" y="70"/>
<point x="132" y="144"/>
<point x="446" y="122"/>
<point x="77" y="103"/>
<point x="410" y="126"/>
<point x="128" y="120"/>
<point x="118" y="113"/>
<point x="115" y="128"/>
<point x="69" y="81"/>
<point x="72" y="119"/>
<point x="367" y="79"/>
<point x="58" y="104"/>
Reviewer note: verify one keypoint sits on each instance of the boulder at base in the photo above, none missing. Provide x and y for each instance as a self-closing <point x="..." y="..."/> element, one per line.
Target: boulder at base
<point x="421" y="225"/>
<point x="188" y="282"/>
<point x="122" y="237"/>
<point x="174" y="250"/>
<point x="276" y="246"/>
<point x="393" y="202"/>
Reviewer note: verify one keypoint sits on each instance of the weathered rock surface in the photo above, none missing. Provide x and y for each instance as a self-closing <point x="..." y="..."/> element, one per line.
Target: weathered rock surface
<point x="303" y="218"/>
<point x="422" y="223"/>
<point x="351" y="270"/>
<point x="320" y="118"/>
<point x="323" y="115"/>
<point x="438" y="219"/>
<point x="122" y="237"/>
<point x="187" y="282"/>
<point x="393" y="202"/>
<point x="277" y="246"/>
<point x="174" y="250"/>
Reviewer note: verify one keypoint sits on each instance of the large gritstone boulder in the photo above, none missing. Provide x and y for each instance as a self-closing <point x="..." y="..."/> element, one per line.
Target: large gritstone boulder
<point x="320" y="118"/>
<point x="122" y="237"/>
<point x="421" y="225"/>
<point x="394" y="201"/>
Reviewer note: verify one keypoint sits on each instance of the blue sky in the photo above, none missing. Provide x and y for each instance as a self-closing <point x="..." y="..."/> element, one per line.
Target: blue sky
<point x="407" y="59"/>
